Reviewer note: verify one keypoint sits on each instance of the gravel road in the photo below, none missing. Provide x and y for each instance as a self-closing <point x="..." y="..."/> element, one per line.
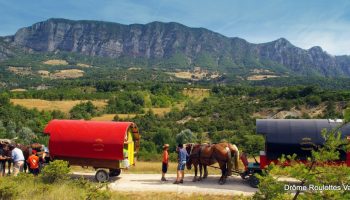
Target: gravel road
<point x="151" y="183"/>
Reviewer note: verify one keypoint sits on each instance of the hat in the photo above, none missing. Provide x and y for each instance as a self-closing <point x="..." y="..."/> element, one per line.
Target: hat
<point x="166" y="146"/>
<point x="33" y="151"/>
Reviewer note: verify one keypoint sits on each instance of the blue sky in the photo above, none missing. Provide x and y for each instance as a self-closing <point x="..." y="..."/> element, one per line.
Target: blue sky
<point x="305" y="23"/>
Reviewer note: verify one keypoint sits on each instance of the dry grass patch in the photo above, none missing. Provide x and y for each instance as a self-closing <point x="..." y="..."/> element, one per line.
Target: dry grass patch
<point x="64" y="106"/>
<point x="196" y="94"/>
<point x="135" y="68"/>
<point x="189" y="75"/>
<point x="55" y="62"/>
<point x="105" y="117"/>
<point x="18" y="90"/>
<point x="260" y="77"/>
<point x="125" y="116"/>
<point x="162" y="111"/>
<point x="196" y="74"/>
<point x="67" y="73"/>
<point x="83" y="65"/>
<point x="20" y="70"/>
<point x="110" y="117"/>
<point x="61" y="74"/>
<point x="159" y="111"/>
<point x="44" y="73"/>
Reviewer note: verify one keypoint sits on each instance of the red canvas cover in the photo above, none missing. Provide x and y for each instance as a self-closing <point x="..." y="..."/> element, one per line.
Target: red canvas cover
<point x="87" y="139"/>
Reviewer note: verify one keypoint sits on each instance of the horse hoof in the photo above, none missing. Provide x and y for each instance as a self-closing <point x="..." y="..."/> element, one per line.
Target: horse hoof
<point x="194" y="180"/>
<point x="200" y="179"/>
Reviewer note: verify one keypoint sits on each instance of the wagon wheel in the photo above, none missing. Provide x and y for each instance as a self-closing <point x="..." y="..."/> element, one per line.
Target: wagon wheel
<point x="253" y="181"/>
<point x="114" y="172"/>
<point x="101" y="175"/>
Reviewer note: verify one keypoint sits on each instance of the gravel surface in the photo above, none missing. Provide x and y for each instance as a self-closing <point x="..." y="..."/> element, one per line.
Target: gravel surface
<point x="151" y="183"/>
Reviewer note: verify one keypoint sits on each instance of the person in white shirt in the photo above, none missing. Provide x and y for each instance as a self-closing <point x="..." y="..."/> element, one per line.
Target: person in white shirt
<point x="17" y="158"/>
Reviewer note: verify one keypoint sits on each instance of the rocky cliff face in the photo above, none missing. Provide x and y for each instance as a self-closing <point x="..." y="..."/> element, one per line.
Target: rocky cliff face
<point x="5" y="49"/>
<point x="154" y="40"/>
<point x="158" y="40"/>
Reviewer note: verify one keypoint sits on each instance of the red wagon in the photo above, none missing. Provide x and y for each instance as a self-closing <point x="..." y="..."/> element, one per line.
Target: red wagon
<point x="101" y="145"/>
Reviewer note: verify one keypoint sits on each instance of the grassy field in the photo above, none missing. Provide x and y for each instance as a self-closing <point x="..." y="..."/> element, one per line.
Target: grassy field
<point x="67" y="73"/>
<point x="110" y="117"/>
<point x="55" y="62"/>
<point x="260" y="77"/>
<point x="196" y="94"/>
<point x="63" y="106"/>
<point x="157" y="111"/>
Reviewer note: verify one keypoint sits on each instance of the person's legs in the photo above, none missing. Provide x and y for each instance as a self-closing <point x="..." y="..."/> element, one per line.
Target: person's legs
<point x="15" y="168"/>
<point x="9" y="162"/>
<point x="182" y="172"/>
<point x="21" y="166"/>
<point x="178" y="174"/>
<point x="35" y="171"/>
<point x="182" y="175"/>
<point x="2" y="168"/>
<point x="24" y="167"/>
<point x="164" y="171"/>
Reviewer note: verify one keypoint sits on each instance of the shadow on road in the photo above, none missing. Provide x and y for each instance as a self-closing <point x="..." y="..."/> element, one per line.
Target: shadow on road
<point x="232" y="183"/>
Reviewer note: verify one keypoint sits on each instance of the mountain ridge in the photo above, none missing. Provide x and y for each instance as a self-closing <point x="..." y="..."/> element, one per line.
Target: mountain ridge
<point x="173" y="41"/>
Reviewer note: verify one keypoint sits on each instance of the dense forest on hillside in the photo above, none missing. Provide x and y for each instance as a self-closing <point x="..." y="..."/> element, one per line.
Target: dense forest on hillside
<point x="226" y="113"/>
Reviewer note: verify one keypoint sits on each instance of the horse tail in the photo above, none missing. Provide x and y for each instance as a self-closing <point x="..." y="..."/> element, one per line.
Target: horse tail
<point x="236" y="158"/>
<point x="235" y="153"/>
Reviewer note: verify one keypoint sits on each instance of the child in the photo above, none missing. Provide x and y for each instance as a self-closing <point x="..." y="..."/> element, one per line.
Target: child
<point x="165" y="161"/>
<point x="33" y="162"/>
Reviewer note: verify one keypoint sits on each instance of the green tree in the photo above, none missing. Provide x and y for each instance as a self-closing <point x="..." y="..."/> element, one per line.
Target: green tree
<point x="2" y="130"/>
<point x="186" y="136"/>
<point x="4" y="99"/>
<point x="163" y="136"/>
<point x="26" y="135"/>
<point x="83" y="111"/>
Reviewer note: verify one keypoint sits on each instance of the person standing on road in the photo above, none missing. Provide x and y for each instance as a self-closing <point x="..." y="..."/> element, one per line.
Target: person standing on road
<point x="33" y="162"/>
<point x="17" y="158"/>
<point x="165" y="162"/>
<point x="181" y="165"/>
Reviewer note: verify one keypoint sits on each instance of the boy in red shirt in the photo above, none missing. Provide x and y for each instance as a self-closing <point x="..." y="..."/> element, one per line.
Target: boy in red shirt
<point x="33" y="162"/>
<point x="165" y="161"/>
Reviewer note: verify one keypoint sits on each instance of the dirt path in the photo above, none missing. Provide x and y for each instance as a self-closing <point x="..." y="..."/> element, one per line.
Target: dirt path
<point x="151" y="183"/>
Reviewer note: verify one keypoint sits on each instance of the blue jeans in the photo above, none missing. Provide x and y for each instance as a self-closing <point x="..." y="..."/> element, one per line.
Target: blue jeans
<point x="181" y="165"/>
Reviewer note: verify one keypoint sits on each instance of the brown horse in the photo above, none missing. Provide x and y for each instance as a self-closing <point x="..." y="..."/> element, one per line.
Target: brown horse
<point x="7" y="153"/>
<point x="200" y="155"/>
<point x="227" y="155"/>
<point x="206" y="155"/>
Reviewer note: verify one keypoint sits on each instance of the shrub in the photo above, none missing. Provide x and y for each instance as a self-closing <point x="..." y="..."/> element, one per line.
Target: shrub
<point x="8" y="190"/>
<point x="94" y="191"/>
<point x="55" y="171"/>
<point x="313" y="100"/>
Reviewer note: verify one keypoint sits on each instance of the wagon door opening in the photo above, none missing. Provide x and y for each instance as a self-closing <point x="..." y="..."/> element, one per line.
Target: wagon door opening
<point x="129" y="148"/>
